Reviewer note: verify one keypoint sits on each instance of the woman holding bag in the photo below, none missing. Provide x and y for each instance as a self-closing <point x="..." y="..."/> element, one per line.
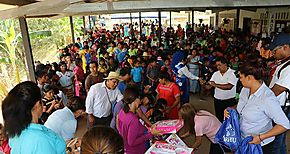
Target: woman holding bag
<point x="258" y="107"/>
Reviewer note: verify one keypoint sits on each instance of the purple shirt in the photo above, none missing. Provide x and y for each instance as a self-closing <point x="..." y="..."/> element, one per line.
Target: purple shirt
<point x="116" y="111"/>
<point x="132" y="132"/>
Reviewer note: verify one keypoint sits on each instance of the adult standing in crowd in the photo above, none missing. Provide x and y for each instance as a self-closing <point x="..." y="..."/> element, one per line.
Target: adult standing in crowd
<point x="193" y="66"/>
<point x="66" y="79"/>
<point x="22" y="109"/>
<point x="258" y="108"/>
<point x="130" y="127"/>
<point x="280" y="83"/>
<point x="100" y="100"/>
<point x="182" y="74"/>
<point x="224" y="81"/>
<point x="171" y="93"/>
<point x="94" y="77"/>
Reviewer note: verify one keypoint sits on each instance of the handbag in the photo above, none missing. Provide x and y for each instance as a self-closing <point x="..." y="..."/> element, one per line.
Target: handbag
<point x="229" y="134"/>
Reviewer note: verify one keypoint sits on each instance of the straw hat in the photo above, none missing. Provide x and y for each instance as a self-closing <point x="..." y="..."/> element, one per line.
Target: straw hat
<point x="113" y="75"/>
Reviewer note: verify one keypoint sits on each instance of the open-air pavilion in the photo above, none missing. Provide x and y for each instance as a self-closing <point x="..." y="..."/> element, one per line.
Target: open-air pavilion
<point x="54" y="9"/>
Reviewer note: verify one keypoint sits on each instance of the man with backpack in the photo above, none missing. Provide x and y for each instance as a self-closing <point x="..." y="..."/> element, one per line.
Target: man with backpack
<point x="280" y="83"/>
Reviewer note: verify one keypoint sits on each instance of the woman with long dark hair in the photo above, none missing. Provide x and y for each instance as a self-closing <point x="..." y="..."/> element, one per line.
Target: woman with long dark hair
<point x="130" y="127"/>
<point x="21" y="110"/>
<point x="200" y="122"/>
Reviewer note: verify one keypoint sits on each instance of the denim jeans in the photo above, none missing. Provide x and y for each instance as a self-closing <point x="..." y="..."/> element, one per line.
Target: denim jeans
<point x="279" y="144"/>
<point x="194" y="85"/>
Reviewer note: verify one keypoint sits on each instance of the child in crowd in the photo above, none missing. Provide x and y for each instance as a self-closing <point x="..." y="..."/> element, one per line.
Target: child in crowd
<point x="103" y="67"/>
<point x="146" y="103"/>
<point x="49" y="102"/>
<point x="157" y="112"/>
<point x="136" y="73"/>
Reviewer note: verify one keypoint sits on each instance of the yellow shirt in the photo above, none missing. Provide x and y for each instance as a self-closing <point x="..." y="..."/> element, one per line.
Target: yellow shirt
<point x="111" y="50"/>
<point x="82" y="54"/>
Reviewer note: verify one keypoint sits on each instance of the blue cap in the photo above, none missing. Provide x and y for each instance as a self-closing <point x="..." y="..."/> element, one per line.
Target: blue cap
<point x="279" y="40"/>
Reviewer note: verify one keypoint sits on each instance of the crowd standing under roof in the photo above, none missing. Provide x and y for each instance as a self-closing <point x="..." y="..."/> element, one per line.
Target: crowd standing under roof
<point x="130" y="81"/>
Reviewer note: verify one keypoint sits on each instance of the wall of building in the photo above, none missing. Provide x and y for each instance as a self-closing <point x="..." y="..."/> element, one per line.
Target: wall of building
<point x="269" y="19"/>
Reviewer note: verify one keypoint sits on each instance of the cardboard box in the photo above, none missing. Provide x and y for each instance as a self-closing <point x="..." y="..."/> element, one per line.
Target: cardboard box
<point x="169" y="126"/>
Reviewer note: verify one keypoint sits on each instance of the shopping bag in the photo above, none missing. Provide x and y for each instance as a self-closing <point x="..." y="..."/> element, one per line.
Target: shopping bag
<point x="229" y="134"/>
<point x="247" y="148"/>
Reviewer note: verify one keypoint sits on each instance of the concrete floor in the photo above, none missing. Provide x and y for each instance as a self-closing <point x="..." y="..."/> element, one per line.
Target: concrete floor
<point x="206" y="104"/>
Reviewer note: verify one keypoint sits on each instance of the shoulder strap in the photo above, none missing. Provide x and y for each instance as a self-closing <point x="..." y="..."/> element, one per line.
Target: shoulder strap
<point x="108" y="95"/>
<point x="278" y="76"/>
<point x="283" y="67"/>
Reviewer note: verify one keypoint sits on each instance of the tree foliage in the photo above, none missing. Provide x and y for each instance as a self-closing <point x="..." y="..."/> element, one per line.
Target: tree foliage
<point x="46" y="36"/>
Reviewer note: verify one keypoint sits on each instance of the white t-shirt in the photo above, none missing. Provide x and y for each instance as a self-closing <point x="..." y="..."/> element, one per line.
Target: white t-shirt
<point x="65" y="79"/>
<point x="63" y="123"/>
<point x="228" y="77"/>
<point x="284" y="81"/>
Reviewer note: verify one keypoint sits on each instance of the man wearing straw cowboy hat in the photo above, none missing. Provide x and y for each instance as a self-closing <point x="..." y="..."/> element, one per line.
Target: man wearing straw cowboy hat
<point x="100" y="100"/>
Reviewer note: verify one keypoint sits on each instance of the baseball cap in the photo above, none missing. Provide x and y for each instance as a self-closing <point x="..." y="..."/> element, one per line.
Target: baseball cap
<point x="279" y="40"/>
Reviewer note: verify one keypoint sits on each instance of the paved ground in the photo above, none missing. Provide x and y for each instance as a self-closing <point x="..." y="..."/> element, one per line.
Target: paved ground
<point x="204" y="104"/>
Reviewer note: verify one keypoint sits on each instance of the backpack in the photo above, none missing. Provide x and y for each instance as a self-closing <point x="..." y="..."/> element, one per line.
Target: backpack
<point x="229" y="134"/>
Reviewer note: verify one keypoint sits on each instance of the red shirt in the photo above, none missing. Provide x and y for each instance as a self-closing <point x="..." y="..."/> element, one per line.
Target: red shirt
<point x="169" y="93"/>
<point x="5" y="147"/>
<point x="79" y="72"/>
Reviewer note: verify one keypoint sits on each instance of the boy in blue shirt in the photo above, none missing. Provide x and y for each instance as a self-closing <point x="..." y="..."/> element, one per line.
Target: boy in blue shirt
<point x="136" y="73"/>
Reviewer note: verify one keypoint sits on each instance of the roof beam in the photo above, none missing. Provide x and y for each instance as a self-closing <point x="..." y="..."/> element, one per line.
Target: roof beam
<point x="17" y="2"/>
<point x="153" y="5"/>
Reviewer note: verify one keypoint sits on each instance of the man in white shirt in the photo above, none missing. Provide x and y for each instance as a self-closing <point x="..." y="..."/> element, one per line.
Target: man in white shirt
<point x="280" y="82"/>
<point x="100" y="100"/>
<point x="224" y="81"/>
<point x="63" y="121"/>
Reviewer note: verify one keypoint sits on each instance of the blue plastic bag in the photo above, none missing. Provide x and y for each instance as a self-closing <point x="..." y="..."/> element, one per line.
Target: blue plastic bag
<point x="246" y="148"/>
<point x="229" y="134"/>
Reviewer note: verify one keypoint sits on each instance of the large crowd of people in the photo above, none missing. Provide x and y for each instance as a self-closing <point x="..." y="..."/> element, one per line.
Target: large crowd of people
<point x="126" y="81"/>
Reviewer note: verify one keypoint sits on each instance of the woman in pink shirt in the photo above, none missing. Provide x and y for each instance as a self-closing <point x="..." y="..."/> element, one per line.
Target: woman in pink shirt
<point x="201" y="123"/>
<point x="129" y="126"/>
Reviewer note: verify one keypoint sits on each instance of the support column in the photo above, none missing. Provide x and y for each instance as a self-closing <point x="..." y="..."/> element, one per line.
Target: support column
<point x="140" y="23"/>
<point x="159" y="27"/>
<point x="217" y="21"/>
<point x="188" y="17"/>
<point x="237" y="19"/>
<point x="72" y="29"/>
<point x="90" y="22"/>
<point x="170" y="18"/>
<point x="192" y="18"/>
<point x="84" y="24"/>
<point x="27" y="49"/>
<point x="131" y="17"/>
